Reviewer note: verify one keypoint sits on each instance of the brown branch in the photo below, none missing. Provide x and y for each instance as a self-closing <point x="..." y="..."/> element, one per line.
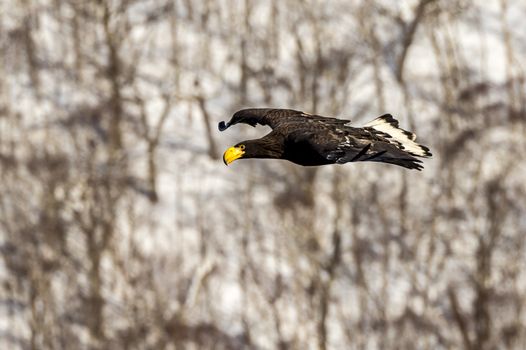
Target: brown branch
<point x="204" y="335"/>
<point x="459" y="319"/>
<point x="408" y="38"/>
<point x="369" y="30"/>
<point x="31" y="48"/>
<point x="212" y="149"/>
<point x="113" y="74"/>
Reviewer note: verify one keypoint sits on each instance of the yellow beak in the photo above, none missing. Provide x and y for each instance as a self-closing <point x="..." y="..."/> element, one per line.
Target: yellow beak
<point x="232" y="154"/>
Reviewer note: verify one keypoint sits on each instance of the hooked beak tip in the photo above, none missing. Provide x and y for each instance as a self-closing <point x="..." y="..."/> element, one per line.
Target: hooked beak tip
<point x="232" y="154"/>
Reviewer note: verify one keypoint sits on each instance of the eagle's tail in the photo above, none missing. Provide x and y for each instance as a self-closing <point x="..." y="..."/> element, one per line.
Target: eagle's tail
<point x="387" y="126"/>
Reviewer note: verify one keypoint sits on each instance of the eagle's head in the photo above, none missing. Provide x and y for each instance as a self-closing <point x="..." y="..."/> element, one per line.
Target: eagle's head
<point x="260" y="148"/>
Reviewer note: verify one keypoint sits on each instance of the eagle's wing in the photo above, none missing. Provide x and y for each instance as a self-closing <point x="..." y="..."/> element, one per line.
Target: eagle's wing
<point x="346" y="144"/>
<point x="355" y="149"/>
<point x="277" y="118"/>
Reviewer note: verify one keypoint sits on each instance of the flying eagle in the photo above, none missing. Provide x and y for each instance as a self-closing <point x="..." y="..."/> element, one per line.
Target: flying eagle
<point x="310" y="140"/>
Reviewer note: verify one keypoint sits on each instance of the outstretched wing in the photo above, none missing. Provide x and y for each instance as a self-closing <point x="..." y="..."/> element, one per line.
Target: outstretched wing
<point x="277" y="117"/>
<point x="359" y="150"/>
<point x="347" y="144"/>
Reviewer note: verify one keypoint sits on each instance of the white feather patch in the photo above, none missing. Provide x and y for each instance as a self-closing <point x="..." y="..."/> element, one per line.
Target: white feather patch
<point x="403" y="139"/>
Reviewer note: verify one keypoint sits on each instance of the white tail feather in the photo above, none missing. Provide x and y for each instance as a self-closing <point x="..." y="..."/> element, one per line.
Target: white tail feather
<point x="403" y="139"/>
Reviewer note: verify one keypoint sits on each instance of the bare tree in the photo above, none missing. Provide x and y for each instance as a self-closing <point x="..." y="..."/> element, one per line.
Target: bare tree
<point x="121" y="228"/>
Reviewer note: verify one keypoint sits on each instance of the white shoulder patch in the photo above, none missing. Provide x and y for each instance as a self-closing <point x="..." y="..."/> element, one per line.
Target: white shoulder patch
<point x="403" y="139"/>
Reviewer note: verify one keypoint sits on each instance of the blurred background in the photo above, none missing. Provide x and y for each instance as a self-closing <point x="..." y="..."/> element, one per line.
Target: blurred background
<point x="121" y="228"/>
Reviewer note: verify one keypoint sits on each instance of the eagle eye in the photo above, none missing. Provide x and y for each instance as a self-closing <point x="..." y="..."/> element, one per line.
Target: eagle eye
<point x="242" y="147"/>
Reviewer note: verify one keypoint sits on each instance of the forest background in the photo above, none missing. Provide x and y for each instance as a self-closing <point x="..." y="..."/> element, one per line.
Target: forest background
<point x="120" y="227"/>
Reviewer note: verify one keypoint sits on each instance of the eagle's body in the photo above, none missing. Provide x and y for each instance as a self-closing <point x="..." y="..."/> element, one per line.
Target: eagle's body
<point x="311" y="140"/>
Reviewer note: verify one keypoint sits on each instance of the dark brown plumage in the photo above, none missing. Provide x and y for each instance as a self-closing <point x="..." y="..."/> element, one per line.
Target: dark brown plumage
<point x="311" y="140"/>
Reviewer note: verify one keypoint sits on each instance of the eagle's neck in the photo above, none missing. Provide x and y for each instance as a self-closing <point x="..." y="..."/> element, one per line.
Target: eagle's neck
<point x="266" y="147"/>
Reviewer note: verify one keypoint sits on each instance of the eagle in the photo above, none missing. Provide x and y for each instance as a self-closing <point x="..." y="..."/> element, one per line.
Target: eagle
<point x="312" y="140"/>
